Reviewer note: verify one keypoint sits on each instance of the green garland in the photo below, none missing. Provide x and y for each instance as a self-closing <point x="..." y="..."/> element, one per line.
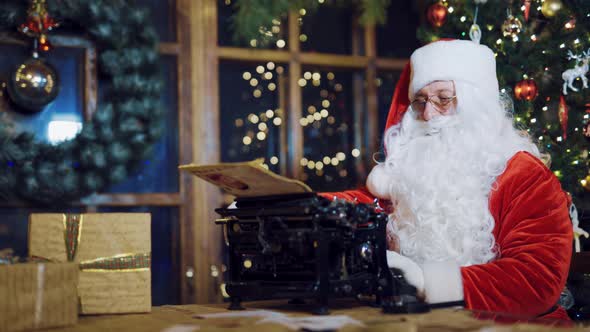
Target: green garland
<point x="122" y="131"/>
<point x="253" y="17"/>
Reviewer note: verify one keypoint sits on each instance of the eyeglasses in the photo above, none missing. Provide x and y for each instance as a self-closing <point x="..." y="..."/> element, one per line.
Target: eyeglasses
<point x="439" y="102"/>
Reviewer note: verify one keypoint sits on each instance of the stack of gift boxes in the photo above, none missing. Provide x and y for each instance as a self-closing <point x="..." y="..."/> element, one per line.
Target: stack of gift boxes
<point x="95" y="263"/>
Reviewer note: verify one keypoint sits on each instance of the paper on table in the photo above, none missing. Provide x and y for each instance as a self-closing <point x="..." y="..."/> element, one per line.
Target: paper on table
<point x="309" y="323"/>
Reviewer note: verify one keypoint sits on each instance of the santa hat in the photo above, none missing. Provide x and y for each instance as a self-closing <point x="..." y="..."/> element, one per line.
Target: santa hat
<point x="443" y="60"/>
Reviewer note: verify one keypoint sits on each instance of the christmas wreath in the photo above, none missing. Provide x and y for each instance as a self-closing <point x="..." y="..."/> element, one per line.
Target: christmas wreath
<point x="122" y="130"/>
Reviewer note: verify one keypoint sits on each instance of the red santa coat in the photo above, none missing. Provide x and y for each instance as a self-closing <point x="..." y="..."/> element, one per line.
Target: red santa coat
<point x="533" y="233"/>
<point x="532" y="230"/>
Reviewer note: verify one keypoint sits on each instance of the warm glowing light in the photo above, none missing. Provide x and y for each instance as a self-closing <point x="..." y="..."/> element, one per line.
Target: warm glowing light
<point x="257" y="93"/>
<point x="269" y="113"/>
<point x="356" y="153"/>
<point x="253" y="118"/>
<point x="303" y="161"/>
<point x="272" y="86"/>
<point x="262" y="126"/>
<point x="280" y="43"/>
<point x="311" y="109"/>
<point x="246" y="140"/>
<point x="324" y="113"/>
<point x="326" y="103"/>
<point x="270" y="65"/>
<point x="341" y="156"/>
<point x="260" y="69"/>
<point x="268" y="75"/>
<point x="277" y="121"/>
<point x="302" y="82"/>
<point x="253" y="82"/>
<point x="307" y="75"/>
<point x="330" y="76"/>
<point x="246" y="75"/>
<point x="316" y="76"/>
<point x="274" y="160"/>
<point x="261" y="136"/>
<point x="317" y="116"/>
<point x="303" y="122"/>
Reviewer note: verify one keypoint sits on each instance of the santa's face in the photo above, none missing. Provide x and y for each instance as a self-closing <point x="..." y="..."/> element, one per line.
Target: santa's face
<point x="435" y="99"/>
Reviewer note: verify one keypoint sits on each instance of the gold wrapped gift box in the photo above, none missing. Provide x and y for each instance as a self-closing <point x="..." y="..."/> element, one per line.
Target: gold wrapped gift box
<point x="38" y="296"/>
<point x="112" y="251"/>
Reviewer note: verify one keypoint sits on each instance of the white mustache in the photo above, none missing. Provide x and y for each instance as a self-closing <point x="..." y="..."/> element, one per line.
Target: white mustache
<point x="435" y="125"/>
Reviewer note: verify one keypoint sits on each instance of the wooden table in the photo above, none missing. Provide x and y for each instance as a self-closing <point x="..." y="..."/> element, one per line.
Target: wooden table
<point x="182" y="318"/>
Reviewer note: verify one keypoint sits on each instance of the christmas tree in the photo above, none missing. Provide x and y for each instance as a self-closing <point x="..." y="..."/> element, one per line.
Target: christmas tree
<point x="542" y="52"/>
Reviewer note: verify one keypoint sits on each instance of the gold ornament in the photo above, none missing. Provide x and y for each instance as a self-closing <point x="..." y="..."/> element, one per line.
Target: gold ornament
<point x="511" y="27"/>
<point x="586" y="183"/>
<point x="551" y="7"/>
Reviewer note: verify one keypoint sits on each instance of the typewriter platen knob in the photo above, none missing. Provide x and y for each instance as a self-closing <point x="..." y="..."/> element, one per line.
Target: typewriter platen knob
<point x="367" y="252"/>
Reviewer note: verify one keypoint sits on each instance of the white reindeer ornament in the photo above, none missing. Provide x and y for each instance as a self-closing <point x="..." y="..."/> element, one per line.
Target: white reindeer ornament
<point x="578" y="71"/>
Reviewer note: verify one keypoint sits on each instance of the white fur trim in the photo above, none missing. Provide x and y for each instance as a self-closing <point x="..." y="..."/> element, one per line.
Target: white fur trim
<point x="442" y="282"/>
<point x="456" y="60"/>
<point x="378" y="182"/>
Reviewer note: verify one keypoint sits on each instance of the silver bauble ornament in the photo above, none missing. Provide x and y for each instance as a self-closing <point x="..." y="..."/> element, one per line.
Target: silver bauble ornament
<point x="33" y="85"/>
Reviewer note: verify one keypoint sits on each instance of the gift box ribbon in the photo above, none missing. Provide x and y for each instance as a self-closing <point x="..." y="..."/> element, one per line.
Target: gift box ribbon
<point x="118" y="263"/>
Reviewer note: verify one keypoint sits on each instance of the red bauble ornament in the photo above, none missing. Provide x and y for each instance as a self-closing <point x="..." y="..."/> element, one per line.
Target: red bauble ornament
<point x="526" y="89"/>
<point x="437" y="14"/>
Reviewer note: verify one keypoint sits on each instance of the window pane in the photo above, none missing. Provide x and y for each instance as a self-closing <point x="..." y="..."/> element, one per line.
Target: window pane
<point x="398" y="37"/>
<point x="225" y="33"/>
<point x="159" y="173"/>
<point x="165" y="252"/>
<point x="163" y="17"/>
<point x="328" y="30"/>
<point x="14" y="227"/>
<point x="331" y="117"/>
<point x="65" y="113"/>
<point x="252" y="120"/>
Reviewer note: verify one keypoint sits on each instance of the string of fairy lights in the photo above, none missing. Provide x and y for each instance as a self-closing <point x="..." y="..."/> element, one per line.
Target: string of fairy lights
<point x="316" y="114"/>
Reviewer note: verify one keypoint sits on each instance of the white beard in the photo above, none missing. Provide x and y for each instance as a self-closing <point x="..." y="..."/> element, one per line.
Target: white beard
<point x="440" y="174"/>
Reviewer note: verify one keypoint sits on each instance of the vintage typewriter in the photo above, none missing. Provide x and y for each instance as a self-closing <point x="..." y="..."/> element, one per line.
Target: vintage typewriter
<point x="306" y="247"/>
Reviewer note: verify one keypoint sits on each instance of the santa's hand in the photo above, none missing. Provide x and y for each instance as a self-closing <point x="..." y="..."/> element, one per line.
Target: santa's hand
<point x="437" y="281"/>
<point x="412" y="271"/>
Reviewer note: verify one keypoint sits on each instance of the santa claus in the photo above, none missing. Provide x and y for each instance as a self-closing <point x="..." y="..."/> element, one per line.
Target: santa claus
<point x="475" y="213"/>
